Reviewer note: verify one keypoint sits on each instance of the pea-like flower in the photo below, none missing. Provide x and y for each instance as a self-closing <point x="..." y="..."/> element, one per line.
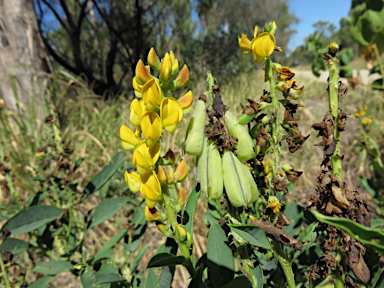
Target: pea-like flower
<point x="274" y="204"/>
<point x="151" y="95"/>
<point x="151" y="128"/>
<point x="144" y="158"/>
<point x="171" y="113"/>
<point x="136" y="109"/>
<point x="128" y="138"/>
<point x="133" y="181"/>
<point x="150" y="188"/>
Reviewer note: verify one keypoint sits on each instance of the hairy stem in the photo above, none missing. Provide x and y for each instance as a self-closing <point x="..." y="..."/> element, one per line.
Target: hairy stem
<point x="286" y="265"/>
<point x="173" y="220"/>
<point x="333" y="86"/>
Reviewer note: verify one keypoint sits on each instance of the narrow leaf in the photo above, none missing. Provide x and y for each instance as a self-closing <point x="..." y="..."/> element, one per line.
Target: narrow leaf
<point x="137" y="259"/>
<point x="253" y="235"/>
<point x="109" y="278"/>
<point x="14" y="245"/>
<point x="107" y="209"/>
<point x="165" y="259"/>
<point x="32" y="218"/>
<point x="41" y="282"/>
<point x="53" y="267"/>
<point x="190" y="210"/>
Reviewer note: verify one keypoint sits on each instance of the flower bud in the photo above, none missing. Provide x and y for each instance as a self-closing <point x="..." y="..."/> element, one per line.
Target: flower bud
<point x="153" y="60"/>
<point x="244" y="147"/>
<point x="181" y="171"/>
<point x="182" y="233"/>
<point x="286" y="167"/>
<point x="333" y="48"/>
<point x="194" y="142"/>
<point x="162" y="175"/>
<point x="165" y="230"/>
<point x="166" y="68"/>
<point x="181" y="80"/>
<point x="171" y="176"/>
<point x="169" y="158"/>
<point x="142" y="73"/>
<point x="182" y="197"/>
<point x="175" y="63"/>
<point x="265" y="119"/>
<point x="264" y="105"/>
<point x="186" y="101"/>
<point x="189" y="241"/>
<point x="252" y="218"/>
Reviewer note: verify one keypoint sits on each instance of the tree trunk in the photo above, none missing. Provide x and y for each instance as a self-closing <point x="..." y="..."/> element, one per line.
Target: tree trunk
<point x="22" y="57"/>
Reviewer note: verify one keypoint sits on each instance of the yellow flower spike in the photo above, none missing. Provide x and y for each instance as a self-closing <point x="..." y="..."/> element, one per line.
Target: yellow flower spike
<point x="171" y="176"/>
<point x="162" y="175"/>
<point x="181" y="80"/>
<point x="142" y="74"/>
<point x="274" y="204"/>
<point x="144" y="158"/>
<point x="166" y="68"/>
<point x="151" y="128"/>
<point x="175" y="63"/>
<point x="171" y="113"/>
<point x="133" y="181"/>
<point x="255" y="32"/>
<point x="186" y="101"/>
<point x="151" y="214"/>
<point x="128" y="137"/>
<point x="181" y="171"/>
<point x="150" y="188"/>
<point x="151" y="95"/>
<point x="252" y="218"/>
<point x="136" y="111"/>
<point x="245" y="44"/>
<point x="153" y="60"/>
<point x="263" y="46"/>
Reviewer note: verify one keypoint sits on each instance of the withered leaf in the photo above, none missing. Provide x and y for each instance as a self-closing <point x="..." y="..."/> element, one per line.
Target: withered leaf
<point x="218" y="104"/>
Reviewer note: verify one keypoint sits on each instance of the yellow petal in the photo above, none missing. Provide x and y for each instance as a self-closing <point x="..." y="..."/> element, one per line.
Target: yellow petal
<point x="151" y="94"/>
<point x="161" y="174"/>
<point x="171" y="113"/>
<point x="133" y="181"/>
<point x="136" y="85"/>
<point x="151" y="214"/>
<point x="186" y="101"/>
<point x="136" y="110"/>
<point x="141" y="163"/>
<point x="150" y="188"/>
<point x="255" y="32"/>
<point x="153" y="60"/>
<point x="175" y="63"/>
<point x="144" y="158"/>
<point x="245" y="44"/>
<point x="183" y="77"/>
<point x="263" y="45"/>
<point x="142" y="74"/>
<point x="151" y="127"/>
<point x="129" y="139"/>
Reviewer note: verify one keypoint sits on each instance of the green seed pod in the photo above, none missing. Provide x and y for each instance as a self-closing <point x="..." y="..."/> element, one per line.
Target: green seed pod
<point x="237" y="181"/>
<point x="211" y="182"/>
<point x="195" y="136"/>
<point x="202" y="164"/>
<point x="254" y="190"/>
<point x="245" y="147"/>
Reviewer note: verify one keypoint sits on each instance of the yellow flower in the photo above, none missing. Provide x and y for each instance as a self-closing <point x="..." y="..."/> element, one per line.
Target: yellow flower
<point x="151" y="214"/>
<point x="170" y="114"/>
<point x="128" y="137"/>
<point x="360" y="113"/>
<point x="136" y="109"/>
<point x="153" y="60"/>
<point x="245" y="44"/>
<point x="151" y="128"/>
<point x="144" y="158"/>
<point x="175" y="63"/>
<point x="150" y="188"/>
<point x="182" y="79"/>
<point x="367" y="120"/>
<point x="181" y="171"/>
<point x="161" y="175"/>
<point x="263" y="46"/>
<point x="133" y="181"/>
<point x="186" y="101"/>
<point x="274" y="204"/>
<point x="151" y="95"/>
<point x="166" y="68"/>
<point x="142" y="73"/>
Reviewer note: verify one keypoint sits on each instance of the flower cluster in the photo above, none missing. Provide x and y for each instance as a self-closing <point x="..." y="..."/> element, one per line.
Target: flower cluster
<point x="152" y="111"/>
<point x="262" y="45"/>
<point x="361" y="113"/>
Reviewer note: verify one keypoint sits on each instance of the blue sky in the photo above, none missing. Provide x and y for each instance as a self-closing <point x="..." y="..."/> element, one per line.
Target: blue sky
<point x="312" y="11"/>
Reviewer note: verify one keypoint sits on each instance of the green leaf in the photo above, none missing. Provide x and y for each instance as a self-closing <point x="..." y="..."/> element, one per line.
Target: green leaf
<point x="220" y="260"/>
<point x="53" y="267"/>
<point x="377" y="224"/>
<point x="240" y="281"/>
<point x="165" y="259"/>
<point x="295" y="214"/>
<point x="152" y="281"/>
<point x="78" y="162"/>
<point x="32" y="218"/>
<point x="103" y="176"/>
<point x="258" y="272"/>
<point x="137" y="259"/>
<point x="197" y="279"/>
<point x="88" y="280"/>
<point x="107" y="209"/>
<point x="110" y="244"/>
<point x="190" y="210"/>
<point x="14" y="245"/>
<point x="367" y="187"/>
<point x="41" y="282"/>
<point x="369" y="237"/>
<point x="308" y="234"/>
<point x="253" y="235"/>
<point x="109" y="278"/>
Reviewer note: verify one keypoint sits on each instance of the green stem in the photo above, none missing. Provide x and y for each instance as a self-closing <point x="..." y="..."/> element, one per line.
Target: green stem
<point x="173" y="220"/>
<point x="334" y="108"/>
<point x="339" y="278"/>
<point x="286" y="265"/>
<point x="247" y="265"/>
<point x="4" y="271"/>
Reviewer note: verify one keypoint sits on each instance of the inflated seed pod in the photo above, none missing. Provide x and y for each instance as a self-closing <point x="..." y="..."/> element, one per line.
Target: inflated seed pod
<point x="236" y="180"/>
<point x="211" y="177"/>
<point x="244" y="147"/>
<point x="201" y="165"/>
<point x="254" y="190"/>
<point x="195" y="136"/>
